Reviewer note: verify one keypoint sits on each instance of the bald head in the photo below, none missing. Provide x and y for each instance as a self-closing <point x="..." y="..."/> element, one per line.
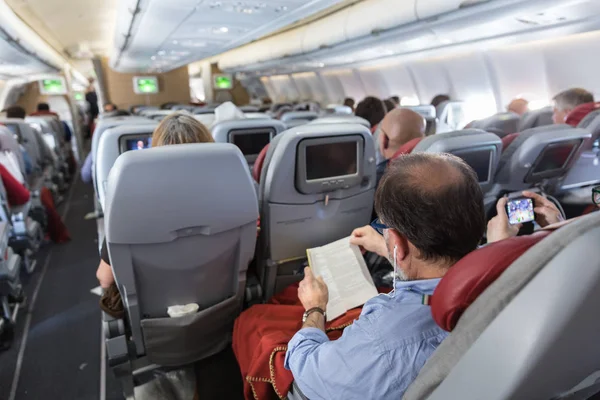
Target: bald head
<point x="399" y="126"/>
<point x="518" y="106"/>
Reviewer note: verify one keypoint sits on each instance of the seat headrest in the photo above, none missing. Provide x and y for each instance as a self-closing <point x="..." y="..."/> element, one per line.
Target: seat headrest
<point x="535" y="119"/>
<point x="481" y="150"/>
<point x="299" y="115"/>
<point x="579" y="113"/>
<point x="500" y="124"/>
<point x="341" y="119"/>
<point x="424" y="110"/>
<point x="159" y="194"/>
<point x="469" y="277"/>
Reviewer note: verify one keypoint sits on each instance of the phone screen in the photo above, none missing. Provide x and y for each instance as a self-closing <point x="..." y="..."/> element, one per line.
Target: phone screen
<point x="520" y="211"/>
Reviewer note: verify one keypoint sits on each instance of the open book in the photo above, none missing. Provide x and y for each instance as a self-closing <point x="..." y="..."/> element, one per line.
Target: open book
<point x="344" y="271"/>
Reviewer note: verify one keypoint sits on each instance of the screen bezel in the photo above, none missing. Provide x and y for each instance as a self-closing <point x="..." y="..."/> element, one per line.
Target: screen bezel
<point x="136" y="80"/>
<point x="49" y="93"/>
<point x="492" y="149"/>
<point x="234" y="132"/>
<point x="557" y="171"/>
<point x="303" y="185"/>
<point x="124" y="138"/>
<point x="519" y="199"/>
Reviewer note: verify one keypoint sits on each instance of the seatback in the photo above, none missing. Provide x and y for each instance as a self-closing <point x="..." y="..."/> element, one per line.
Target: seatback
<point x="114" y="142"/>
<point x="451" y="115"/>
<point x="107" y="123"/>
<point x="49" y="132"/>
<point x="532" y="334"/>
<point x="250" y="135"/>
<point x="481" y="150"/>
<point x="28" y="139"/>
<point x="591" y="122"/>
<point x="207" y="119"/>
<point x="424" y="110"/>
<point x="341" y="119"/>
<point x="586" y="170"/>
<point x="249" y="109"/>
<point x="536" y="118"/>
<point x="500" y="124"/>
<point x="540" y="156"/>
<point x="180" y="226"/>
<point x="301" y="205"/>
<point x="256" y="115"/>
<point x="9" y="142"/>
<point x="296" y="118"/>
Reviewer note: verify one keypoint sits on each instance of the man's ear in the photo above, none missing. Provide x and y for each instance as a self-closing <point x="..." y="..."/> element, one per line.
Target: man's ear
<point x="401" y="243"/>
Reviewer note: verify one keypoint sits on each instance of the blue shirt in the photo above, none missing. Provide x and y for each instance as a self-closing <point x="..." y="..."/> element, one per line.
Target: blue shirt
<point x="86" y="169"/>
<point x="377" y="357"/>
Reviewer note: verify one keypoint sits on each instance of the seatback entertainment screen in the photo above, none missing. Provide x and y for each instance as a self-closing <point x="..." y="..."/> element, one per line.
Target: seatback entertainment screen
<point x="326" y="161"/>
<point x="480" y="161"/>
<point x="251" y="143"/>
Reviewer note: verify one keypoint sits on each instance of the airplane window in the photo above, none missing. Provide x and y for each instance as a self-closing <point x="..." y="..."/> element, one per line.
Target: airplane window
<point x="554" y="157"/>
<point x="251" y="143"/>
<point x="331" y="160"/>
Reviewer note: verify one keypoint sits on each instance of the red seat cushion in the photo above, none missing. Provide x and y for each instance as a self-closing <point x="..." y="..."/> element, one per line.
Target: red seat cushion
<point x="579" y="112"/>
<point x="468" y="278"/>
<point x="258" y="164"/>
<point x="407" y="147"/>
<point x="508" y="139"/>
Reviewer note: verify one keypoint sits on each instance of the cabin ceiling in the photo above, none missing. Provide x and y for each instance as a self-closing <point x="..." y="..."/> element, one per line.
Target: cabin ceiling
<point x="163" y="35"/>
<point x="76" y="28"/>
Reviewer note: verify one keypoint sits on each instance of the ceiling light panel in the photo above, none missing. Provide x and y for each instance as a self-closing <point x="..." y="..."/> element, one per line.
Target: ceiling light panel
<point x="181" y="31"/>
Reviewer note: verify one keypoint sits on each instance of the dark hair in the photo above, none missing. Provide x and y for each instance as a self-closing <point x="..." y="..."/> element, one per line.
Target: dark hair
<point x="389" y="105"/>
<point x="43" y="107"/>
<point x="439" y="99"/>
<point x="15" y="112"/>
<point x="372" y="109"/>
<point x="349" y="101"/>
<point x="395" y="99"/>
<point x="443" y="215"/>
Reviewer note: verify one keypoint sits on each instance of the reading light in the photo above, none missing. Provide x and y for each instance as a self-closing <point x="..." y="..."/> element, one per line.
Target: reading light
<point x="222" y="29"/>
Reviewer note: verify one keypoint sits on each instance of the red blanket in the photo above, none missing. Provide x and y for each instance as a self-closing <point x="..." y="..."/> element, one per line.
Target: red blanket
<point x="260" y="338"/>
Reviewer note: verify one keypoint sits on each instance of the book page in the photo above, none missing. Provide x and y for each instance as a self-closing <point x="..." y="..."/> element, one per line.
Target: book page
<point x="344" y="271"/>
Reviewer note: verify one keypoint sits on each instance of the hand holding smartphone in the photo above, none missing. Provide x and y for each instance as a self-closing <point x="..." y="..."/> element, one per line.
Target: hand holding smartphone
<point x="520" y="210"/>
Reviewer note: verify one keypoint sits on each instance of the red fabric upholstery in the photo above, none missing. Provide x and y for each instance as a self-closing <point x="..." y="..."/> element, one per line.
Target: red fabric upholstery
<point x="56" y="228"/>
<point x="42" y="113"/>
<point x="374" y="129"/>
<point x="258" y="164"/>
<point x="16" y="193"/>
<point x="468" y="278"/>
<point x="579" y="113"/>
<point x="407" y="147"/>
<point x="508" y="139"/>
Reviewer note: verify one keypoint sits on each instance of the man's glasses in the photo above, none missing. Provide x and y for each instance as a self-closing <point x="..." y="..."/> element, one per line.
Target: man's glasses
<point x="379" y="227"/>
<point x="596" y="195"/>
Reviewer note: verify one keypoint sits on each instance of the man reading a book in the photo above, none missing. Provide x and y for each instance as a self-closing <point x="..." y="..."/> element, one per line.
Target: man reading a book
<point x="431" y="215"/>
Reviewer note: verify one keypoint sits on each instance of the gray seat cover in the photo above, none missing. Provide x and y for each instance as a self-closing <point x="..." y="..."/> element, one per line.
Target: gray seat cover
<point x="533" y="334"/>
<point x="341" y="119"/>
<point x="501" y="124"/>
<point x="535" y="119"/>
<point x="109" y="151"/>
<point x="180" y="226"/>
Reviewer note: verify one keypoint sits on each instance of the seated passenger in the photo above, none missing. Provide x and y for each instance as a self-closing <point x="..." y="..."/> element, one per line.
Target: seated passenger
<point x="547" y="215"/>
<point x="16" y="112"/>
<point x="396" y="100"/>
<point x="109" y="107"/>
<point x="389" y="105"/>
<point x="349" y="102"/>
<point x="439" y="99"/>
<point x="397" y="128"/>
<point x="177" y="128"/>
<point x="372" y="109"/>
<point x="518" y="106"/>
<point x="44" y="109"/>
<point x="432" y="208"/>
<point x="566" y="101"/>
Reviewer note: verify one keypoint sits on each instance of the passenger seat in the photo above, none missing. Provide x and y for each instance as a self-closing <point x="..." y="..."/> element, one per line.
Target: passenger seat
<point x="180" y="228"/>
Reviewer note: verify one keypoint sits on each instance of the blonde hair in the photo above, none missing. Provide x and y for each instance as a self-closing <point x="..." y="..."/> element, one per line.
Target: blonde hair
<point x="180" y="128"/>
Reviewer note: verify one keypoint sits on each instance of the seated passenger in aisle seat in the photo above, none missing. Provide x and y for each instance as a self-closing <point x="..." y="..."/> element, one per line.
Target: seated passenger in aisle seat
<point x="177" y="128"/>
<point x="399" y="127"/>
<point x="389" y="105"/>
<point x="109" y="107"/>
<point x="395" y="100"/>
<point x="44" y="109"/>
<point x="547" y="215"/>
<point x="372" y="109"/>
<point x="349" y="102"/>
<point x="432" y="208"/>
<point x="518" y="106"/>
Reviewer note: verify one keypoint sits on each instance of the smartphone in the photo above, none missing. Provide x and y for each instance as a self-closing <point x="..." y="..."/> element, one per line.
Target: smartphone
<point x="520" y="210"/>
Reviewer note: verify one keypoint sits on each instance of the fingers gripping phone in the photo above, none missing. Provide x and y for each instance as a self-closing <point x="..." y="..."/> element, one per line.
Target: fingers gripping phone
<point x="520" y="210"/>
